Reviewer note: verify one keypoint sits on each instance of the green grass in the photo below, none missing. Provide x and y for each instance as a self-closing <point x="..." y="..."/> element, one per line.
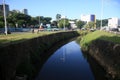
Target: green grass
<point x="87" y="39"/>
<point x="16" y="37"/>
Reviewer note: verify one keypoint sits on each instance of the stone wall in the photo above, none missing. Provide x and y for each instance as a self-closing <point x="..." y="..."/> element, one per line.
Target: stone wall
<point x="108" y="56"/>
<point x="23" y="58"/>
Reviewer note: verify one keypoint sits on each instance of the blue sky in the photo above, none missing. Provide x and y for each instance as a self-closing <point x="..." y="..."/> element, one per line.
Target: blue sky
<point x="70" y="8"/>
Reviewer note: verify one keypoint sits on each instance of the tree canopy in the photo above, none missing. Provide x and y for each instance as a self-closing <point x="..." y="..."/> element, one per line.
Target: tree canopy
<point x="16" y="19"/>
<point x="90" y="25"/>
<point x="104" y="23"/>
<point x="58" y="16"/>
<point x="80" y="24"/>
<point x="63" y="23"/>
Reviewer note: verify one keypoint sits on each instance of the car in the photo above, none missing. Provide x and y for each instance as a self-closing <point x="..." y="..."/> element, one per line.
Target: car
<point x="55" y="29"/>
<point x="49" y="29"/>
<point x="114" y="29"/>
<point x="92" y="30"/>
<point x="83" y="28"/>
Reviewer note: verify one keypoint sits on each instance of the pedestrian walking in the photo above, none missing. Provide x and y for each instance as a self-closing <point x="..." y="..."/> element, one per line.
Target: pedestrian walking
<point x="32" y="29"/>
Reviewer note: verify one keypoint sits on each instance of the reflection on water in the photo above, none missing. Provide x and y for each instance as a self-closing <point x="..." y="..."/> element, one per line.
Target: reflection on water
<point x="67" y="63"/>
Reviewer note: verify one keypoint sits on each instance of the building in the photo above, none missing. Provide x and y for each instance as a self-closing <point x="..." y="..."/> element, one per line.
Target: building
<point x="6" y="9"/>
<point x="25" y="11"/>
<point x="114" y="22"/>
<point x="16" y="11"/>
<point x="63" y="17"/>
<point x="88" y="18"/>
<point x="72" y="24"/>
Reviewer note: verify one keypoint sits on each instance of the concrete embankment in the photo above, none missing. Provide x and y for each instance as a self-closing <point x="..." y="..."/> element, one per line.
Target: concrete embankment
<point x="107" y="55"/>
<point x="23" y="58"/>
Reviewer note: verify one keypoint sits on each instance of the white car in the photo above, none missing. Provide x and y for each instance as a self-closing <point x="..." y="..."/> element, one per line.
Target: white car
<point x="55" y="29"/>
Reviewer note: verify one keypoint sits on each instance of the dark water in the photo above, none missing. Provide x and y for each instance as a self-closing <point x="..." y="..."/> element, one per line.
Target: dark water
<point x="67" y="63"/>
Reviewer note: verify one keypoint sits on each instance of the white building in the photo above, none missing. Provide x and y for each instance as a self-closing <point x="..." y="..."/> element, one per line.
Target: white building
<point x="72" y="24"/>
<point x="17" y="11"/>
<point x="88" y="18"/>
<point x="114" y="22"/>
<point x="63" y="17"/>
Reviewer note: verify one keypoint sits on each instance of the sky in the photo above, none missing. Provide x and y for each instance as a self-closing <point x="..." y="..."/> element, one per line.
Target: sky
<point x="72" y="9"/>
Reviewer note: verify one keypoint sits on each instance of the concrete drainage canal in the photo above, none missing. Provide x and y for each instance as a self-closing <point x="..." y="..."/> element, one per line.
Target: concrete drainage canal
<point x="69" y="63"/>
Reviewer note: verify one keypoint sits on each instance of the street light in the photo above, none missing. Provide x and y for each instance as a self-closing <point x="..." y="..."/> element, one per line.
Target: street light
<point x="5" y="17"/>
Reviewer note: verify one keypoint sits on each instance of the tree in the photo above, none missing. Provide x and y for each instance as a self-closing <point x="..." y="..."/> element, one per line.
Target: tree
<point x="104" y="23"/>
<point x="80" y="24"/>
<point x="39" y="19"/>
<point x="1" y="14"/>
<point x="91" y="25"/>
<point x="44" y="20"/>
<point x="22" y="20"/>
<point x="98" y="23"/>
<point x="21" y="23"/>
<point x="18" y="18"/>
<point x="54" y="23"/>
<point x="63" y="23"/>
<point x="1" y="18"/>
<point x="60" y="24"/>
<point x="1" y="21"/>
<point x="34" y="21"/>
<point x="86" y="26"/>
<point x="58" y="16"/>
<point x="47" y="20"/>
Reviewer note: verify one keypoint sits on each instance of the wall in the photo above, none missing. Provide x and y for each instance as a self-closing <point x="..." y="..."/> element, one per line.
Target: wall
<point x="108" y="55"/>
<point x="23" y="58"/>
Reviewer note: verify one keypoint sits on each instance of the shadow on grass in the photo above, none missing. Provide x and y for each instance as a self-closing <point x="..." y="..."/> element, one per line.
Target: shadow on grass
<point x="114" y="39"/>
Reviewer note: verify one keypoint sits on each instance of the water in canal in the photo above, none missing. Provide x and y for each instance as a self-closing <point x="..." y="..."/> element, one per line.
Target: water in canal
<point x="67" y="63"/>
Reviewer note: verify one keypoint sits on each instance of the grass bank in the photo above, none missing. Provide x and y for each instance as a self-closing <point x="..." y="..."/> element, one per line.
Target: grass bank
<point x="102" y="35"/>
<point x="16" y="37"/>
<point x="104" y="47"/>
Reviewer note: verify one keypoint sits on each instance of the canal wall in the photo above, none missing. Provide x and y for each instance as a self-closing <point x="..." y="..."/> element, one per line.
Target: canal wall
<point x="107" y="55"/>
<point x="23" y="59"/>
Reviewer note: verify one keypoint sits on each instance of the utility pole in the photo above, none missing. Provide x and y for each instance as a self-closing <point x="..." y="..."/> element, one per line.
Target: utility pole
<point x="39" y="20"/>
<point x="64" y="17"/>
<point x="5" y="17"/>
<point x="101" y="14"/>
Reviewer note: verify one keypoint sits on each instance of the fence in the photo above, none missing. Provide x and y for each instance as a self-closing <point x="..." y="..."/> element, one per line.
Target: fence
<point x="2" y="30"/>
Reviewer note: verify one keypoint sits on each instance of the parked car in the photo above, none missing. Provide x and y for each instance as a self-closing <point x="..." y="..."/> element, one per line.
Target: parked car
<point x="55" y="29"/>
<point x="92" y="29"/>
<point x="49" y="29"/>
<point x="114" y="29"/>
